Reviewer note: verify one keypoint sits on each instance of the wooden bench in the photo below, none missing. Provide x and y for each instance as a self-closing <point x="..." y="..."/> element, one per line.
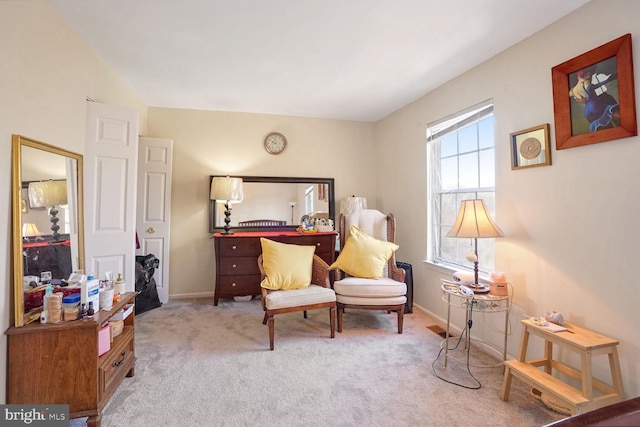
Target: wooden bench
<point x="582" y="341"/>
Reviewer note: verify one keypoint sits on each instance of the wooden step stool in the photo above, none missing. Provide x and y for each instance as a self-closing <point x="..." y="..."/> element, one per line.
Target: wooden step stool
<point x="582" y="341"/>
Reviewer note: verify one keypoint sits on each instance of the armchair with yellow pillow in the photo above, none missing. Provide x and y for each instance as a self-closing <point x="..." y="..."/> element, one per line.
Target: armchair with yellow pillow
<point x="366" y="276"/>
<point x="293" y="279"/>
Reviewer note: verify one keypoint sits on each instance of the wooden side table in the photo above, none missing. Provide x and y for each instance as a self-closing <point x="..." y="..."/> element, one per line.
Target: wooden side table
<point x="582" y="341"/>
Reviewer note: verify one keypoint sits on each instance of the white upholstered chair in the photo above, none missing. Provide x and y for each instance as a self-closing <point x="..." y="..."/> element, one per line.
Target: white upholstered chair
<point x="278" y="265"/>
<point x="376" y="232"/>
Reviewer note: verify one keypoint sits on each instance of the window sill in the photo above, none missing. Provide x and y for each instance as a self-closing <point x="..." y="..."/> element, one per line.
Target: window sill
<point x="449" y="270"/>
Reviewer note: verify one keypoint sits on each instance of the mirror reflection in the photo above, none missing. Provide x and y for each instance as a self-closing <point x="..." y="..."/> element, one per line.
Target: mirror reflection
<point x="276" y="203"/>
<point x="47" y="225"/>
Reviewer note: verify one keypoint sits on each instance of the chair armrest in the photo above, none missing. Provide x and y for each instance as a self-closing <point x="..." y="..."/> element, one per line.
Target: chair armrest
<point x="396" y="273"/>
<point x="320" y="272"/>
<point x="261" y="268"/>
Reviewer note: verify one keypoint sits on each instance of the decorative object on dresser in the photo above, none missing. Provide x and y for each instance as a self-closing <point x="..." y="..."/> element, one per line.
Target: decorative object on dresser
<point x="293" y="278"/>
<point x="473" y="221"/>
<point x="237" y="272"/>
<point x="226" y="190"/>
<point x="60" y="363"/>
<point x="366" y="271"/>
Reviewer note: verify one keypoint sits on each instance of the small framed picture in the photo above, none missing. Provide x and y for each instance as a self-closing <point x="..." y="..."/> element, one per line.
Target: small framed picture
<point x="530" y="147"/>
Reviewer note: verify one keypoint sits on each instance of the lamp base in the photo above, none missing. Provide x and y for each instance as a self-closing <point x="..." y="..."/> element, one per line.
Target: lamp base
<point x="478" y="288"/>
<point x="54" y="223"/>
<point x="227" y="219"/>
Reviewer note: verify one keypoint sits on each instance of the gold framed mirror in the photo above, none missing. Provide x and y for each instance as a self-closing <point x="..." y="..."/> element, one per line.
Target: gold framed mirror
<point x="47" y="219"/>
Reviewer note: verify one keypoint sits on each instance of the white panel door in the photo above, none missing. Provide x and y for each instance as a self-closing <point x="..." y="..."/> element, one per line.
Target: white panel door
<point x="154" y="206"/>
<point x="110" y="163"/>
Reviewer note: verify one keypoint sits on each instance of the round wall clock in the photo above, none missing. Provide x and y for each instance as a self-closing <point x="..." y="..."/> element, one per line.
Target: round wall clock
<point x="275" y="143"/>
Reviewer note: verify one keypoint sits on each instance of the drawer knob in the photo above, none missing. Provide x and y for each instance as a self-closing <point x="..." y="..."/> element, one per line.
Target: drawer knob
<point x="234" y="247"/>
<point x="234" y="266"/>
<point x="318" y="244"/>
<point x="233" y="285"/>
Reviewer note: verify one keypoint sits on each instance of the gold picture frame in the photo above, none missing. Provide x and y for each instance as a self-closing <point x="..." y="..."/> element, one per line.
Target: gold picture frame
<point x="530" y="147"/>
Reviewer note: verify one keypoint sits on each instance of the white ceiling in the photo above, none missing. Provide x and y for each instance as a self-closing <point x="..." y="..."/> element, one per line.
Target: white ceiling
<point x="346" y="59"/>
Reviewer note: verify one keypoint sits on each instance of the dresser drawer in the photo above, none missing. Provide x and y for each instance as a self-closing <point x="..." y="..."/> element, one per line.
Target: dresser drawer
<point x="230" y="246"/>
<point x="230" y="266"/>
<point x="230" y="286"/>
<point x="116" y="363"/>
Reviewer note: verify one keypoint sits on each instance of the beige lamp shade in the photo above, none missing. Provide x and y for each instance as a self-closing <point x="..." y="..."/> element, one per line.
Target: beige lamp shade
<point x="30" y="230"/>
<point x="226" y="189"/>
<point x="47" y="193"/>
<point x="348" y="205"/>
<point x="474" y="221"/>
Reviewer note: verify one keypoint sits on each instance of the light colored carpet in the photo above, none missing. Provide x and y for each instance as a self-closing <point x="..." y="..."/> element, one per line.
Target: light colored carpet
<point x="200" y="365"/>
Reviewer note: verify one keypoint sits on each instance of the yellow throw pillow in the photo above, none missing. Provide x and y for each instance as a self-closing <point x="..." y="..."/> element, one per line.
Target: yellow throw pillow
<point x="286" y="266"/>
<point x="364" y="256"/>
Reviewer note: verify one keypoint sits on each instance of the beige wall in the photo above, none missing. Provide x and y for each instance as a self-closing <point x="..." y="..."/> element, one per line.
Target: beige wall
<point x="212" y="143"/>
<point x="570" y="241"/>
<point x="46" y="73"/>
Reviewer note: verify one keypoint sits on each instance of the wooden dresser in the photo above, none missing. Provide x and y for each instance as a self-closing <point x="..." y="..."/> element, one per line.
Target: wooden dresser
<point x="59" y="363"/>
<point x="237" y="254"/>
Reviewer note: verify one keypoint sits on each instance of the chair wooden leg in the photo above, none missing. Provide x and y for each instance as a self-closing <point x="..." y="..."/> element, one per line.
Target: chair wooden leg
<point x="271" y="332"/>
<point x="332" y="321"/>
<point x="340" y="313"/>
<point x="400" y="319"/>
<point x="264" y="321"/>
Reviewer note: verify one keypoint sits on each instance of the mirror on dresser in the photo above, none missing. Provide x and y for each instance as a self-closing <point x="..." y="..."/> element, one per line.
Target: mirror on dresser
<point x="47" y="222"/>
<point x="284" y="200"/>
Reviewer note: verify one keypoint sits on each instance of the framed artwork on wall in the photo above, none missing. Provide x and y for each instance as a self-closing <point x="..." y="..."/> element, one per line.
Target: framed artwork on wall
<point x="594" y="96"/>
<point x="530" y="147"/>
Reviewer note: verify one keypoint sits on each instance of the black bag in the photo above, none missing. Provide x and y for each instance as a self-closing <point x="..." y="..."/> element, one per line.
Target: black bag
<point x="408" y="279"/>
<point x="147" y="297"/>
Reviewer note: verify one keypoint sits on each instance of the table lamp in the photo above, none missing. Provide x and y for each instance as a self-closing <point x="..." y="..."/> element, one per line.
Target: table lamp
<point x="49" y="193"/>
<point x="226" y="190"/>
<point x="30" y="230"/>
<point x="348" y="205"/>
<point x="473" y="221"/>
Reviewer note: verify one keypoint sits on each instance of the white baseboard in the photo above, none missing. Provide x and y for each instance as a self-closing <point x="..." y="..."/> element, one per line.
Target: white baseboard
<point x="487" y="348"/>
<point x="191" y="295"/>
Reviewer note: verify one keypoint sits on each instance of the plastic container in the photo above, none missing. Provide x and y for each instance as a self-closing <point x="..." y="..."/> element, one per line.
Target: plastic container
<point x="71" y="301"/>
<point x="54" y="307"/>
<point x="71" y="307"/>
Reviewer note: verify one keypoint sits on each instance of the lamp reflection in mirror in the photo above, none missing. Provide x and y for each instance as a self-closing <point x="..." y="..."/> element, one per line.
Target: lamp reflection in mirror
<point x="226" y="190"/>
<point x="293" y="205"/>
<point x="49" y="193"/>
<point x="31" y="230"/>
<point x="473" y="221"/>
<point x="348" y="205"/>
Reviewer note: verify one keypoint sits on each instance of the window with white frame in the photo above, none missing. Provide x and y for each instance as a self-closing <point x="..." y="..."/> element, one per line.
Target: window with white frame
<point x="308" y="200"/>
<point x="461" y="165"/>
